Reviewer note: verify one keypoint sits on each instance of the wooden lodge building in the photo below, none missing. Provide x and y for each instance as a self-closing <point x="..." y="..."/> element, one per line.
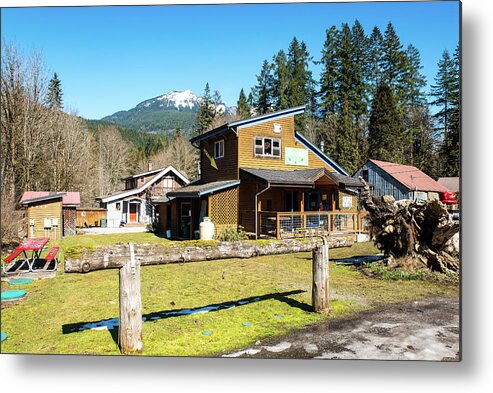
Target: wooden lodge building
<point x="261" y="174"/>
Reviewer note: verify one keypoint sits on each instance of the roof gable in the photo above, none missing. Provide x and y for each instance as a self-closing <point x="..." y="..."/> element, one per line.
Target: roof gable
<point x="138" y="190"/>
<point x="236" y="125"/>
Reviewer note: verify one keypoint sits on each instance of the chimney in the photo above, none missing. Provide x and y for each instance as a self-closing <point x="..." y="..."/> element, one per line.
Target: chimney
<point x="149" y="166"/>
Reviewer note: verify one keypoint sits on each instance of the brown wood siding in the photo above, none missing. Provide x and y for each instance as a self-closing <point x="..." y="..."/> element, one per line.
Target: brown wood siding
<point x="175" y="218"/>
<point x="246" y="137"/>
<point x="38" y="212"/>
<point x="227" y="166"/>
<point x="88" y="217"/>
<point x="246" y="204"/>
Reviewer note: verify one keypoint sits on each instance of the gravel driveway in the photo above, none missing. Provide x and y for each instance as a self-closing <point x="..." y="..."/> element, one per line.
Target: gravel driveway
<point x="420" y="330"/>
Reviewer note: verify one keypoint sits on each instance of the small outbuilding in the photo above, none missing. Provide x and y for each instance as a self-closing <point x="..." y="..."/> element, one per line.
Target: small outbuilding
<point x="400" y="181"/>
<point x="50" y="214"/>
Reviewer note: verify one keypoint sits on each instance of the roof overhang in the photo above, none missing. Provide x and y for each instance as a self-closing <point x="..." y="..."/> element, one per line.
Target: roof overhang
<point x="42" y="199"/>
<point x="199" y="190"/>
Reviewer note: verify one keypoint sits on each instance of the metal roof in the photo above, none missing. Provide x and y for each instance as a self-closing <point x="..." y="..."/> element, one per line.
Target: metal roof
<point x="240" y="123"/>
<point x="198" y="189"/>
<point x="410" y="176"/>
<point x="69" y="198"/>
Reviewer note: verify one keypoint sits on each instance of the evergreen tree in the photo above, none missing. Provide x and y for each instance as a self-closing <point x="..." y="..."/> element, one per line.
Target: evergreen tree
<point x="451" y="141"/>
<point x="300" y="81"/>
<point x="360" y="88"/>
<point x="385" y="131"/>
<point x="262" y="94"/>
<point x="206" y="112"/>
<point x="345" y="149"/>
<point x="243" y="109"/>
<point x="375" y="43"/>
<point x="329" y="62"/>
<point x="54" y="96"/>
<point x="345" y="67"/>
<point x="280" y="81"/>
<point x="414" y="79"/>
<point x="392" y="62"/>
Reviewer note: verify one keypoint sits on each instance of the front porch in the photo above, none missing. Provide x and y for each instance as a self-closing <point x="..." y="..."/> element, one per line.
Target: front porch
<point x="284" y="225"/>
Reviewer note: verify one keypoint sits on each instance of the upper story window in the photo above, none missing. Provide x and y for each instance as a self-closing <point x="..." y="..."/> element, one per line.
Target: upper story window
<point x="219" y="149"/>
<point x="267" y="147"/>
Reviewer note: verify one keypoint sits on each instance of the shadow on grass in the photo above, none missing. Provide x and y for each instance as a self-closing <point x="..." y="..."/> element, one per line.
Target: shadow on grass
<point x="112" y="324"/>
<point x="358" y="260"/>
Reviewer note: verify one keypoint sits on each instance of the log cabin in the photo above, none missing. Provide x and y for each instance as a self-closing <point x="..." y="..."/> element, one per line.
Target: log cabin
<point x="263" y="175"/>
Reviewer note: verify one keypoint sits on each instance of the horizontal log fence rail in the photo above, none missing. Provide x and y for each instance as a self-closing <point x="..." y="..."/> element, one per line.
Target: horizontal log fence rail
<point x="283" y="225"/>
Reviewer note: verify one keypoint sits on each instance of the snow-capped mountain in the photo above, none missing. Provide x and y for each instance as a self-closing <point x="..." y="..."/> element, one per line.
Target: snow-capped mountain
<point x="180" y="100"/>
<point x="175" y="109"/>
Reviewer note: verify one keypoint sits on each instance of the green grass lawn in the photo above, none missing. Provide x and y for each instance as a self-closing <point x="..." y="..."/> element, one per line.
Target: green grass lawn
<point x="43" y="321"/>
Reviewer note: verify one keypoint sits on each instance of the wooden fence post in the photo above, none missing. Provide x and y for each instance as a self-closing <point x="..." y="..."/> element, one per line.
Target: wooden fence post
<point x="320" y="285"/>
<point x="130" y="329"/>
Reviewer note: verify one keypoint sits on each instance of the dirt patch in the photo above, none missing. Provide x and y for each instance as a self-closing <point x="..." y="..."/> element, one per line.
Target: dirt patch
<point x="419" y="330"/>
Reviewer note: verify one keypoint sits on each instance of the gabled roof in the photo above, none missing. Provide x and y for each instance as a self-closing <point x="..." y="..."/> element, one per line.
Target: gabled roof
<point x="250" y="121"/>
<point x="301" y="177"/>
<point x="198" y="189"/>
<point x="144" y="174"/>
<point x="451" y="183"/>
<point x="410" y="177"/>
<point x="69" y="198"/>
<point x="142" y="188"/>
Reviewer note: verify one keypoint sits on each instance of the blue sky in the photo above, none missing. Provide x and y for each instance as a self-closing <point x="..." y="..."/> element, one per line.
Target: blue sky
<point x="111" y="58"/>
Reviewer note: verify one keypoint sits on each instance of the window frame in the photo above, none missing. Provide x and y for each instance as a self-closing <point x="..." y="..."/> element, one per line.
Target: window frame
<point x="262" y="146"/>
<point x="219" y="143"/>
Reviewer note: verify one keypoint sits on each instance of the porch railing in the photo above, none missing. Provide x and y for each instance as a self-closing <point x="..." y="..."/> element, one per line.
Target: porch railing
<point x="302" y="224"/>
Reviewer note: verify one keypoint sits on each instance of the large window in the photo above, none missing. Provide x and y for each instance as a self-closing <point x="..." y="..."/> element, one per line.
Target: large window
<point x="267" y="147"/>
<point x="219" y="149"/>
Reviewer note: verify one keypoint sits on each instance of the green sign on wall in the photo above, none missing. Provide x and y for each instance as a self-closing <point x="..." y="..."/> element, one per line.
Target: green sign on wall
<point x="293" y="156"/>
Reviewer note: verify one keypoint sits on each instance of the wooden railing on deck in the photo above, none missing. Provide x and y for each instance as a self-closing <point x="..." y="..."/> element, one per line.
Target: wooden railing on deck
<point x="284" y="225"/>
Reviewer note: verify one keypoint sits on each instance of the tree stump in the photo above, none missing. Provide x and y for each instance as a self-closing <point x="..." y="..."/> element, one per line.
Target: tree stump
<point x="130" y="328"/>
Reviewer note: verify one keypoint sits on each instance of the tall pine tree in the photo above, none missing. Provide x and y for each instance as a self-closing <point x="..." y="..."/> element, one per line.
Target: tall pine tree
<point x="375" y="42"/>
<point x="280" y="80"/>
<point x="54" y="96"/>
<point x="329" y="61"/>
<point x="262" y="92"/>
<point x="345" y="151"/>
<point x="385" y="130"/>
<point x="206" y="112"/>
<point x="392" y="63"/>
<point x="300" y="81"/>
<point x="243" y="109"/>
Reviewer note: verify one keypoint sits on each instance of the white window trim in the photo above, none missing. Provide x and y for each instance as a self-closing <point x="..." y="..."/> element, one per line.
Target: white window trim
<point x="272" y="148"/>
<point x="216" y="143"/>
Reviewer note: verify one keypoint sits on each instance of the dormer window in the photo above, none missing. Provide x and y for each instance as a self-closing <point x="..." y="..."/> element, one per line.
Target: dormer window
<point x="219" y="149"/>
<point x="267" y="147"/>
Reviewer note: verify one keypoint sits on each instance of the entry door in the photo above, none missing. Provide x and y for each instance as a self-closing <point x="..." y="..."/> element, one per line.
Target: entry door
<point x="312" y="201"/>
<point x="185" y="220"/>
<point x="133" y="212"/>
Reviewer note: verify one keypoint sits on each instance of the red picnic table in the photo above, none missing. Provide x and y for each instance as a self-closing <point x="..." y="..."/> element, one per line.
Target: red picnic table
<point x="32" y="246"/>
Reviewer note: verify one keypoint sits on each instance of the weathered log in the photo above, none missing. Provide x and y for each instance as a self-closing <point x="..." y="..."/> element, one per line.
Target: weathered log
<point x="130" y="328"/>
<point x="113" y="257"/>
<point x="320" y="284"/>
<point x="413" y="233"/>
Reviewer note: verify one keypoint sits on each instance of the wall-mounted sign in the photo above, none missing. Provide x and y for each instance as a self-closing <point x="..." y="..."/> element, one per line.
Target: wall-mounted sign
<point x="211" y="159"/>
<point x="293" y="156"/>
